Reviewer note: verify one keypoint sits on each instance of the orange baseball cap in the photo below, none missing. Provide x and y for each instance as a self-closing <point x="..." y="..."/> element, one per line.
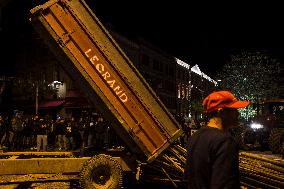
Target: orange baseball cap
<point x="222" y="99"/>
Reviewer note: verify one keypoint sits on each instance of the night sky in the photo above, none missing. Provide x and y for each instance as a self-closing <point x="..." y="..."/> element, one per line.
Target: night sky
<point x="203" y="34"/>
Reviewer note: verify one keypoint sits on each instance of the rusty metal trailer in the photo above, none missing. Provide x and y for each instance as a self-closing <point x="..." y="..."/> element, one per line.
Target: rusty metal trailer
<point x="106" y="75"/>
<point x="109" y="79"/>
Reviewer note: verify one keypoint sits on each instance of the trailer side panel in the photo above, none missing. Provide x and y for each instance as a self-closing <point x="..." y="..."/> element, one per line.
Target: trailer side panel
<point x="106" y="75"/>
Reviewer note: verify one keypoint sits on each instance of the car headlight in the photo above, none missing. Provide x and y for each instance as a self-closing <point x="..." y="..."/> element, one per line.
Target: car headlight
<point x="256" y="126"/>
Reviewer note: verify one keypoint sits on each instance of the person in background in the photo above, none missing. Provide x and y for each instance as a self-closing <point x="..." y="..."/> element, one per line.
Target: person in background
<point x="100" y="132"/>
<point x="91" y="133"/>
<point x="2" y="131"/>
<point x="34" y="127"/>
<point x="42" y="136"/>
<point x="82" y="126"/>
<point x="213" y="156"/>
<point x="60" y="132"/>
<point x="193" y="124"/>
<point x="70" y="133"/>
<point x="17" y="128"/>
<point x="51" y="133"/>
<point x="27" y="133"/>
<point x="6" y="129"/>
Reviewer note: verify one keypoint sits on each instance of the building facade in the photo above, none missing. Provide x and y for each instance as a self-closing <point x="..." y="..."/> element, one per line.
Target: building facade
<point x="41" y="83"/>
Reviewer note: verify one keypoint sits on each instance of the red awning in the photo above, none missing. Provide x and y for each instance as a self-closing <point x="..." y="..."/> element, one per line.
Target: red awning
<point x="52" y="104"/>
<point x="77" y="104"/>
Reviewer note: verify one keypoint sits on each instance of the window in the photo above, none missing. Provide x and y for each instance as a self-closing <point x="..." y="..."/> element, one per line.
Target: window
<point x="170" y="86"/>
<point x="145" y="60"/>
<point x="171" y="71"/>
<point x="157" y="65"/>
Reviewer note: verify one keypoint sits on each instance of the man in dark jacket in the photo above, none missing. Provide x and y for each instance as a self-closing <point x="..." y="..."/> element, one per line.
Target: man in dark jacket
<point x="42" y="132"/>
<point x="213" y="156"/>
<point x="2" y="130"/>
<point x="70" y="133"/>
<point x="60" y="132"/>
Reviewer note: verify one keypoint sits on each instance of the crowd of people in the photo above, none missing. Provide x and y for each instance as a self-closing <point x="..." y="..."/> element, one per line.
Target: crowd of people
<point x="27" y="132"/>
<point x="23" y="132"/>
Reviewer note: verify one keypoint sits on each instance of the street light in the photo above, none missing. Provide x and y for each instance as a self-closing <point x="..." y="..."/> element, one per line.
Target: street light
<point x="55" y="85"/>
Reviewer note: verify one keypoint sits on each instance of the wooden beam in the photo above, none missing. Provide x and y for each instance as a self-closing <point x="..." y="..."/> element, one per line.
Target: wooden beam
<point x="48" y="165"/>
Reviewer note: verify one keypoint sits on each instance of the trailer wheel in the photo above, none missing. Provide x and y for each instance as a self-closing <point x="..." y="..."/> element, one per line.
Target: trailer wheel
<point x="100" y="172"/>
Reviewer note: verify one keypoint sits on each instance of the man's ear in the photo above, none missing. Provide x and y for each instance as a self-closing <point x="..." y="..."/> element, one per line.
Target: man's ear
<point x="219" y="111"/>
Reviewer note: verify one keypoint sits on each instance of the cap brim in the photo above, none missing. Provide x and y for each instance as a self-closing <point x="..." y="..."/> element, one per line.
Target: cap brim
<point x="239" y="104"/>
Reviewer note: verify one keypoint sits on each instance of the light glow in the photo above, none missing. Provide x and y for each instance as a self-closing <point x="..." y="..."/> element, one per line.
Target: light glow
<point x="55" y="85"/>
<point x="182" y="63"/>
<point x="196" y="70"/>
<point x="256" y="126"/>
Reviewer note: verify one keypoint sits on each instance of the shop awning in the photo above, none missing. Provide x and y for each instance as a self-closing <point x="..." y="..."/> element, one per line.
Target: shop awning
<point x="75" y="99"/>
<point x="52" y="104"/>
<point x="77" y="104"/>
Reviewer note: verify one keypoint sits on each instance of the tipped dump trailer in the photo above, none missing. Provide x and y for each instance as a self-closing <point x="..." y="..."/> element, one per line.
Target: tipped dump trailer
<point x="108" y="78"/>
